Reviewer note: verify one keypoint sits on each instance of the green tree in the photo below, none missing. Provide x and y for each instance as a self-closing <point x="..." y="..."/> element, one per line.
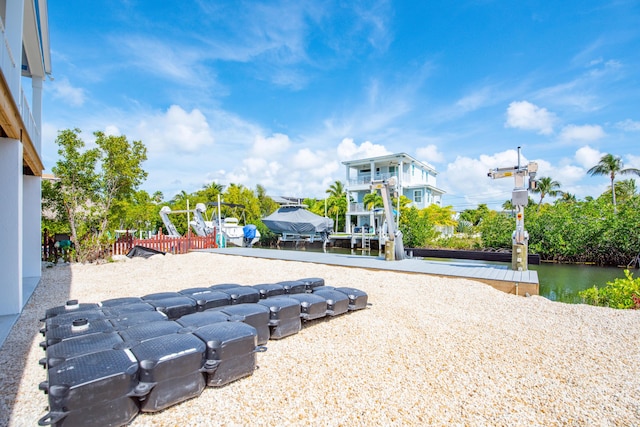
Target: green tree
<point x="93" y="185"/>
<point x="139" y="213"/>
<point x="267" y="204"/>
<point x="496" y="230"/>
<point x="337" y="203"/>
<point x="508" y="206"/>
<point x="416" y="229"/>
<point x="75" y="187"/>
<point x="121" y="173"/>
<point x="567" y="198"/>
<point x="249" y="211"/>
<point x="546" y="186"/>
<point x="475" y="216"/>
<point x="439" y="215"/>
<point x="625" y="190"/>
<point x="209" y="192"/>
<point x="612" y="165"/>
<point x="372" y="200"/>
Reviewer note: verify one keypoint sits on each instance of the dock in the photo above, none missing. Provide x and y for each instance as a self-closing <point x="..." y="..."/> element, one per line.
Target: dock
<point x="497" y="276"/>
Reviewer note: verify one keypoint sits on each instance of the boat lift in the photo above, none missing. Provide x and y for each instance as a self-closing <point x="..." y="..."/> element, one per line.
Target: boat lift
<point x="393" y="246"/>
<point x="519" y="199"/>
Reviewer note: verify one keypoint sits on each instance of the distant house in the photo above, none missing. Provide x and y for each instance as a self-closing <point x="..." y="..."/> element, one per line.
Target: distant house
<point x="415" y="180"/>
<point x="24" y="58"/>
<point x="287" y="201"/>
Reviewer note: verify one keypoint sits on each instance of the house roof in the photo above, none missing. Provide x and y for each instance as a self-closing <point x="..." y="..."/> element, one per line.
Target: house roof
<point x="36" y="55"/>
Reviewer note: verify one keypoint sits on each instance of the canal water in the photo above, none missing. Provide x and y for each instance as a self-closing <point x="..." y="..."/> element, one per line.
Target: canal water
<point x="558" y="282"/>
<point x="562" y="282"/>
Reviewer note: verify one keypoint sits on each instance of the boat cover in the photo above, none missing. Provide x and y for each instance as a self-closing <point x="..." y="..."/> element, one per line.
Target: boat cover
<point x="141" y="251"/>
<point x="249" y="231"/>
<point x="297" y="220"/>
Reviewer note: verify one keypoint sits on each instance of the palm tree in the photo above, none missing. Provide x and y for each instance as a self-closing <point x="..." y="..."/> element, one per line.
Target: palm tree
<point x="337" y="200"/>
<point x="612" y="165"/>
<point x="372" y="200"/>
<point x="508" y="206"/>
<point x="336" y="189"/>
<point x="626" y="189"/>
<point x="547" y="186"/>
<point x="568" y="198"/>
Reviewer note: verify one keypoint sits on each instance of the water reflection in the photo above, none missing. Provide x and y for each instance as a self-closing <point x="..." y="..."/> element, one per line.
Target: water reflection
<point x="562" y="282"/>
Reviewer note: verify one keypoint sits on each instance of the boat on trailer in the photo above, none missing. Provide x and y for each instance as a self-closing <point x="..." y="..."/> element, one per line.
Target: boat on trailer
<point x="295" y="223"/>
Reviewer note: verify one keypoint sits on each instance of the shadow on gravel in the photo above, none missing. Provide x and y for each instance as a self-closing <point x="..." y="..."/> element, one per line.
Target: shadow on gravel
<point x="20" y="351"/>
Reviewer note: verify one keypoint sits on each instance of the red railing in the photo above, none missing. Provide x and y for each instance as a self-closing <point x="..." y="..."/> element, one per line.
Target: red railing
<point x="160" y="242"/>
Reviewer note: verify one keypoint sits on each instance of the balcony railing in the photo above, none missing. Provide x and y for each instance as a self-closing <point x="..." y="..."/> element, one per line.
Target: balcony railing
<point x="356" y="207"/>
<point x="12" y="75"/>
<point x="366" y="179"/>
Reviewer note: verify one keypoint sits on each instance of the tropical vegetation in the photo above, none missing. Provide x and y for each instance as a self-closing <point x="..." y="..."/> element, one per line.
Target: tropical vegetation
<point x="97" y="191"/>
<point x="621" y="293"/>
<point x="612" y="165"/>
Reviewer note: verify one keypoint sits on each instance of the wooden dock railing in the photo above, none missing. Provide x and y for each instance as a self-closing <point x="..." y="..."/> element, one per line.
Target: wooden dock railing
<point x="160" y="242"/>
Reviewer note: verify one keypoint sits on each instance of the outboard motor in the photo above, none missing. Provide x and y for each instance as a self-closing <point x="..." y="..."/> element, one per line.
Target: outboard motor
<point x="249" y="231"/>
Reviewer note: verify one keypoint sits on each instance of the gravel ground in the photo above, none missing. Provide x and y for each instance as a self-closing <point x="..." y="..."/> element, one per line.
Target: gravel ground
<point x="429" y="351"/>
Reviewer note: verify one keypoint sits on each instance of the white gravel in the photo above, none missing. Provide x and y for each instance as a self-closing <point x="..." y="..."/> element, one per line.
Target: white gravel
<point x="429" y="351"/>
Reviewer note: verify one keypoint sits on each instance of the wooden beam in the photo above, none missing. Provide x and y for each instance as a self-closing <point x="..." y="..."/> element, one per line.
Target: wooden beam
<point x="11" y="122"/>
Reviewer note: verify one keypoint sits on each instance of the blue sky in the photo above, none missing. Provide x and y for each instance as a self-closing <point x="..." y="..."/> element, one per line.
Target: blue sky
<point x="278" y="93"/>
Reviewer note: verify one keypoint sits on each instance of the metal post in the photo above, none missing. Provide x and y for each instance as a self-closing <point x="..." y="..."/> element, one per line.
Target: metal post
<point x="519" y="199"/>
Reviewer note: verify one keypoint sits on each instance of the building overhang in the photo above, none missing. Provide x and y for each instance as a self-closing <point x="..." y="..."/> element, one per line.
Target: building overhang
<point x="36" y="52"/>
<point x="13" y="127"/>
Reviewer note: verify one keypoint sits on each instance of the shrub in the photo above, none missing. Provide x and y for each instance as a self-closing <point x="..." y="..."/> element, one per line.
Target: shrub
<point x="621" y="293"/>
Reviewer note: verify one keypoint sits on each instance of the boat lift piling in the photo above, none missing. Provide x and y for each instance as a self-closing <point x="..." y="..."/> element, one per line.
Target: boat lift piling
<point x="393" y="246"/>
<point x="519" y="199"/>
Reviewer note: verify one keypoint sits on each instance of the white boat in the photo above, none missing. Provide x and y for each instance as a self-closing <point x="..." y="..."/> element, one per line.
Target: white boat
<point x="230" y="232"/>
<point x="238" y="235"/>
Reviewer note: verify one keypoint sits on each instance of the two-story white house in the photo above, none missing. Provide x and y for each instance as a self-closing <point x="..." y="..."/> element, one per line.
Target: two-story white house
<point x="415" y="180"/>
<point x="24" y="59"/>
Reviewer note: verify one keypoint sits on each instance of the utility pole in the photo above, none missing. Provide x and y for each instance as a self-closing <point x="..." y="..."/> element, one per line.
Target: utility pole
<point x="519" y="199"/>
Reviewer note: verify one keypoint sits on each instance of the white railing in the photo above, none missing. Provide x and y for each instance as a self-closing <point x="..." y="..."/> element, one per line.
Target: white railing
<point x="357" y="207"/>
<point x="12" y="75"/>
<point x="29" y="121"/>
<point x="366" y="179"/>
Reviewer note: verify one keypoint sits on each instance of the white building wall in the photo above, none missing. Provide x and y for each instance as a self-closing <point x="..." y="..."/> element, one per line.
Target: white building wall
<point x="31" y="219"/>
<point x="11" y="249"/>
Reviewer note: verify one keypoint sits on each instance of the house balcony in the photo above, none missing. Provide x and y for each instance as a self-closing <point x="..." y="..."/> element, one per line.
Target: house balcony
<point x="364" y="181"/>
<point x="16" y="117"/>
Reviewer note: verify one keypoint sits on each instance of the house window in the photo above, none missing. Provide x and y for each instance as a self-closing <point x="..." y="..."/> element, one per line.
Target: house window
<point x="417" y="196"/>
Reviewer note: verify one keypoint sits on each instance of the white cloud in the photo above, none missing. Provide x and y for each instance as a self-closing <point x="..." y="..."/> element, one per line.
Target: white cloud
<point x="268" y="147"/>
<point x="566" y="173"/>
<point x="430" y="153"/>
<point x="466" y="178"/>
<point x="166" y="59"/>
<point x="63" y="90"/>
<point x="176" y="131"/>
<point x="527" y="116"/>
<point x="587" y="157"/>
<point x="582" y="133"/>
<point x="348" y="150"/>
<point x="629" y="125"/>
<point x="317" y="164"/>
<point x="632" y="161"/>
<point x="112" y="130"/>
<point x="474" y="100"/>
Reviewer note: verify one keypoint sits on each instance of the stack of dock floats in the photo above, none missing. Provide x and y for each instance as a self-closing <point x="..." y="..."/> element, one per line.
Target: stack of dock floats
<point x="108" y="361"/>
